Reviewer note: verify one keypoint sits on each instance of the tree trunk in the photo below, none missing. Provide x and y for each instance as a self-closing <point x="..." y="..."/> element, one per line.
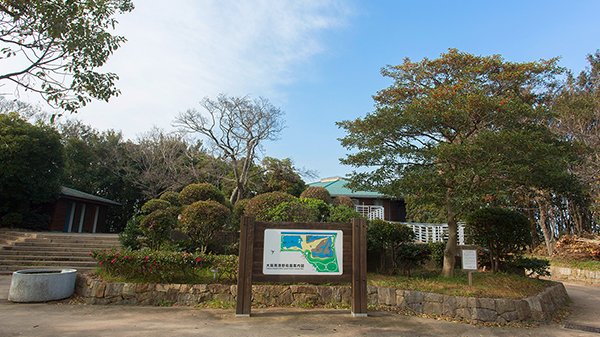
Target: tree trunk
<point x="547" y="234"/>
<point x="451" y="245"/>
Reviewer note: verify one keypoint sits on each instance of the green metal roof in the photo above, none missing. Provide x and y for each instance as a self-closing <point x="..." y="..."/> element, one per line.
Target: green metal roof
<point x="73" y="193"/>
<point x="337" y="187"/>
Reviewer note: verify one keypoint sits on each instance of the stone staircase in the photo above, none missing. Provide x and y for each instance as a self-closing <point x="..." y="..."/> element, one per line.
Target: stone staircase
<point x="35" y="250"/>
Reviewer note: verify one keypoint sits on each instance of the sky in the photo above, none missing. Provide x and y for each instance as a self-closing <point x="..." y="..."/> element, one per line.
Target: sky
<point x="318" y="60"/>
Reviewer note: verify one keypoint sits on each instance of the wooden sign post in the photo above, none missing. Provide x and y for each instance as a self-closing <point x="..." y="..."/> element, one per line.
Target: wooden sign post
<point x="302" y="252"/>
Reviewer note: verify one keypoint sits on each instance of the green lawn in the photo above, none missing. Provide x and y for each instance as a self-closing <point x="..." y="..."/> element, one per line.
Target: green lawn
<point x="584" y="264"/>
<point x="487" y="284"/>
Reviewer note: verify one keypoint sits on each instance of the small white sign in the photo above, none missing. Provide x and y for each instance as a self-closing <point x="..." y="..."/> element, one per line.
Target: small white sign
<point x="469" y="259"/>
<point x="303" y="252"/>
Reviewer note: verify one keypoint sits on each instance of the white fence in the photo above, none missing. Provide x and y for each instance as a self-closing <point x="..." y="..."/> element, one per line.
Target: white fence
<point x="370" y="212"/>
<point x="426" y="232"/>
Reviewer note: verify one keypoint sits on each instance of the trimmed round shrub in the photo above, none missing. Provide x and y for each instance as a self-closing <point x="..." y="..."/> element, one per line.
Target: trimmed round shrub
<point x="343" y="200"/>
<point x="171" y="196"/>
<point x="293" y="211"/>
<point x="154" y="205"/>
<point x="259" y="206"/>
<point x="317" y="192"/>
<point x="502" y="231"/>
<point x="200" y="192"/>
<point x="342" y="213"/>
<point x="156" y="228"/>
<point x="201" y="220"/>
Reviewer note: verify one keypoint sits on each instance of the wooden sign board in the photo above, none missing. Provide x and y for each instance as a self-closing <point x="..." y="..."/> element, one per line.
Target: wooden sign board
<point x="302" y="252"/>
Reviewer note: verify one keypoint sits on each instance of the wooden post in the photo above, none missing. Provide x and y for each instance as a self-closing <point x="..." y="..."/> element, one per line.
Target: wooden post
<point x="359" y="267"/>
<point x="246" y="258"/>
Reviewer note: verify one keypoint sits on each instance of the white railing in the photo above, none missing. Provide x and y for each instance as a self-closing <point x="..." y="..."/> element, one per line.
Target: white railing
<point x="370" y="212"/>
<point x="426" y="232"/>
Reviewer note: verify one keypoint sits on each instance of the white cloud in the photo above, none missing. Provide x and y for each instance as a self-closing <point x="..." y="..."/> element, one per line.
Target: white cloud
<point x="179" y="52"/>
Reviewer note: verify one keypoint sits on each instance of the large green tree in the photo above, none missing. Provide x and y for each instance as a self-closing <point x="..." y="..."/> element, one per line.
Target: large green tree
<point x="55" y="48"/>
<point x="455" y="132"/>
<point x="32" y="163"/>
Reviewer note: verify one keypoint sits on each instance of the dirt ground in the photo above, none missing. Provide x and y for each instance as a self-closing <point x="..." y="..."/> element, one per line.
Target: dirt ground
<point x="62" y="319"/>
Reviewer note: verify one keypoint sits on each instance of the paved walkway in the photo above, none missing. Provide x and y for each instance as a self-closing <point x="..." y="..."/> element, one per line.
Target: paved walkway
<point x="60" y="319"/>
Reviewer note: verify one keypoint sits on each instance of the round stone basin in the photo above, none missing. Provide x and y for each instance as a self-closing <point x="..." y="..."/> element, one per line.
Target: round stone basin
<point x="42" y="285"/>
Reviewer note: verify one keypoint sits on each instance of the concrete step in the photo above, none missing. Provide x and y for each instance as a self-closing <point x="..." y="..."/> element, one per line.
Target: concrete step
<point x="52" y="244"/>
<point x="7" y="270"/>
<point x="71" y="242"/>
<point x="55" y="249"/>
<point x="47" y="263"/>
<point x="45" y="258"/>
<point x="13" y="252"/>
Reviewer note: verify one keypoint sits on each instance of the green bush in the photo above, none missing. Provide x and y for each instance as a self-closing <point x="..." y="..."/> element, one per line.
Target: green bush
<point x="527" y="266"/>
<point x="502" y="231"/>
<point x="386" y="239"/>
<point x="319" y="205"/>
<point x="130" y="237"/>
<point x="157" y="227"/>
<point x="200" y="192"/>
<point x="343" y="200"/>
<point x="317" y="192"/>
<point x="409" y="255"/>
<point x="342" y="213"/>
<point x="154" y="205"/>
<point x="201" y="220"/>
<point x="437" y="252"/>
<point x="259" y="206"/>
<point x="172" y="197"/>
<point x="293" y="211"/>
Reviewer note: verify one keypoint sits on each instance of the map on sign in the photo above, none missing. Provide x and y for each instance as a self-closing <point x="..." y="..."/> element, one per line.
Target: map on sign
<point x="302" y="252"/>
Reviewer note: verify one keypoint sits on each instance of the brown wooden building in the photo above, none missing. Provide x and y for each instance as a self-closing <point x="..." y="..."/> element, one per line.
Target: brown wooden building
<point x="372" y="205"/>
<point x="79" y="212"/>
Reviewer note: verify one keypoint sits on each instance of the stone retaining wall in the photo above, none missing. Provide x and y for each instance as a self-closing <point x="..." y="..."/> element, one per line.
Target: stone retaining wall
<point x="582" y="275"/>
<point x="535" y="308"/>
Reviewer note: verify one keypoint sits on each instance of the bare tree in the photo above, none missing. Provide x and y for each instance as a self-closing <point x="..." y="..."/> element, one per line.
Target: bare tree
<point x="236" y="126"/>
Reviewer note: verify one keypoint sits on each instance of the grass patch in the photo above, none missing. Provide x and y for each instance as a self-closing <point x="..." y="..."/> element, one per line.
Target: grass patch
<point x="575" y="264"/>
<point x="216" y="304"/>
<point x="498" y="285"/>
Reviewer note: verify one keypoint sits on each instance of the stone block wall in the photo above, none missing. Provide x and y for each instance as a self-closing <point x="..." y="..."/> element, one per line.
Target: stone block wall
<point x="540" y="307"/>
<point x="572" y="274"/>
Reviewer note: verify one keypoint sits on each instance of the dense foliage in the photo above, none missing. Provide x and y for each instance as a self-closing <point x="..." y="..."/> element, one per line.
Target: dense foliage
<point x="294" y="211"/>
<point x="156" y="228"/>
<point x="201" y="220"/>
<point x="260" y="205"/>
<point x="343" y="201"/>
<point x="342" y="213"/>
<point x="166" y="267"/>
<point x="392" y="243"/>
<point x="457" y="132"/>
<point x="317" y="192"/>
<point x="55" y="48"/>
<point x="172" y="197"/>
<point x="501" y="231"/>
<point x="200" y="192"/>
<point x="32" y="165"/>
<point x="154" y="205"/>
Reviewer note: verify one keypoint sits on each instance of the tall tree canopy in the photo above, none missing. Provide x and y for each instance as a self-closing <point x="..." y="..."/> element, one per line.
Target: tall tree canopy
<point x="456" y="131"/>
<point x="236" y="127"/>
<point x="54" y="48"/>
<point x="32" y="164"/>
